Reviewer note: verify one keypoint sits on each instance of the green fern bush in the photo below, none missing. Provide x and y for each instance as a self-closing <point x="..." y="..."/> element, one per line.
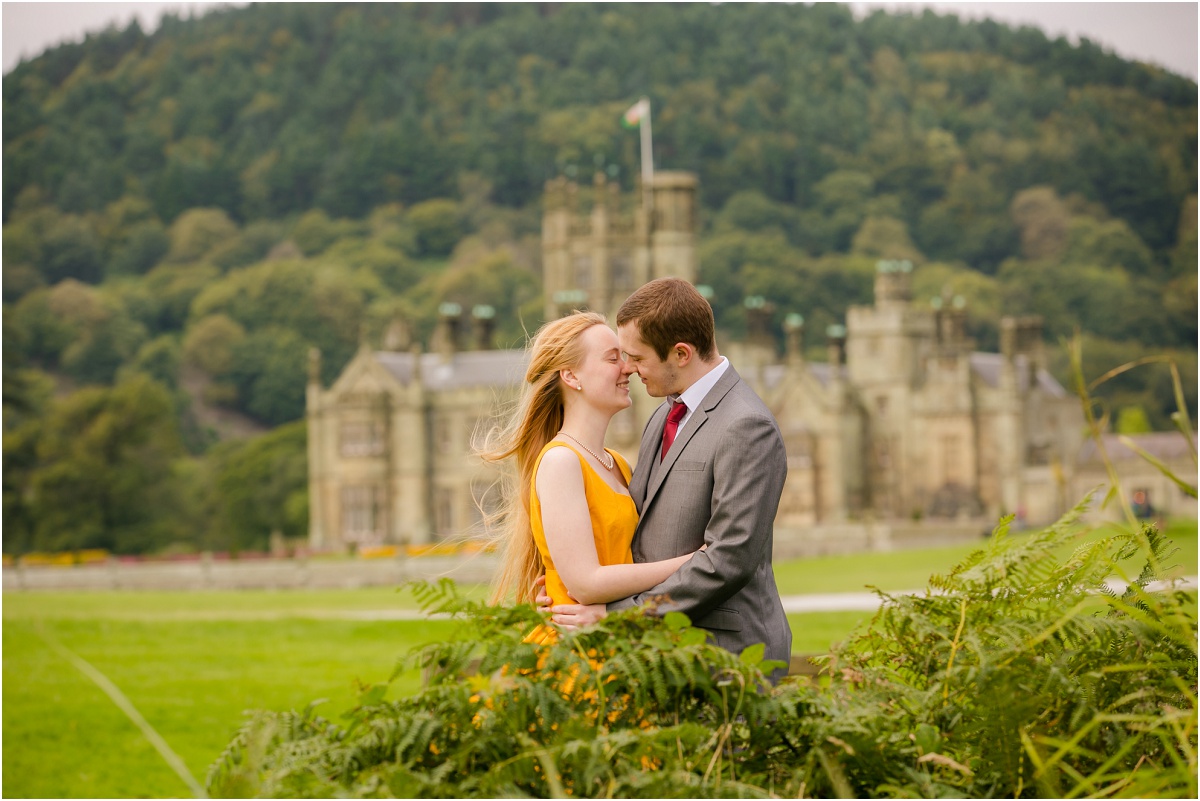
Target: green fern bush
<point x="1018" y="674"/>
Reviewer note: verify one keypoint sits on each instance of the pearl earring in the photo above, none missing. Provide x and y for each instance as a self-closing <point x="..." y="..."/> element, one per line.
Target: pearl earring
<point x="580" y="387"/>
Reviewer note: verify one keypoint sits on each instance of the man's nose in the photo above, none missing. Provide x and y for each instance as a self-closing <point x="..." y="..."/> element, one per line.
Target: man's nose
<point x="627" y="367"/>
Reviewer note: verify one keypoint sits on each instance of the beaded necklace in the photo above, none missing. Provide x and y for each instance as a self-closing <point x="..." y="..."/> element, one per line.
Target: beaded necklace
<point x="606" y="459"/>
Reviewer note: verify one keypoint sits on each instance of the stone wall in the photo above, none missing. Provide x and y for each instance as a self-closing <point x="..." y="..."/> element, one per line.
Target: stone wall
<point x="834" y="539"/>
<point x="209" y="574"/>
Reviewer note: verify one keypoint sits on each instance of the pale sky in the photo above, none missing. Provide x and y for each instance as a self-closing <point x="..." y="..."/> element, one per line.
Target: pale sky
<point x="1159" y="33"/>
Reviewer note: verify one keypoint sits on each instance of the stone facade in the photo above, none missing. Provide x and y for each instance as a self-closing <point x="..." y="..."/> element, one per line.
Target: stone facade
<point x="597" y="249"/>
<point x="390" y="443"/>
<point x="904" y="421"/>
<point x="1151" y="493"/>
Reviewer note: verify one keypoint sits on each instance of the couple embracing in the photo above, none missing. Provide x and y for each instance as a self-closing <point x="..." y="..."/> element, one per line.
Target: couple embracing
<point x="691" y="527"/>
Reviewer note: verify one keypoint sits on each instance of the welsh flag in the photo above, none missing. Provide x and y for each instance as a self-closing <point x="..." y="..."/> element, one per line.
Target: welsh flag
<point x="637" y="112"/>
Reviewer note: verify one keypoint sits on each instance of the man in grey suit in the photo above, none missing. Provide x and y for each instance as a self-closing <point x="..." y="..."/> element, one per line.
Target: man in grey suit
<point x="709" y="472"/>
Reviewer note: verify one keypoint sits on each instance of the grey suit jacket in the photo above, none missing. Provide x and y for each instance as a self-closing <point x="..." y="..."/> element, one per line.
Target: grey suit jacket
<point x="719" y="484"/>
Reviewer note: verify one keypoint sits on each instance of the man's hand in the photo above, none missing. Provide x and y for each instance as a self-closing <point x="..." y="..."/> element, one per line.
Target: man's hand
<point x="569" y="616"/>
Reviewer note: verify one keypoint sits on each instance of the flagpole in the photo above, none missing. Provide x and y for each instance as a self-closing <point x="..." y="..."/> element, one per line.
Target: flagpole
<point x="647" y="154"/>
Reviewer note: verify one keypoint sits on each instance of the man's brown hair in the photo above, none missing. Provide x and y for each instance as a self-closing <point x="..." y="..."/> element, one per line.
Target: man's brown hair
<point x="670" y="310"/>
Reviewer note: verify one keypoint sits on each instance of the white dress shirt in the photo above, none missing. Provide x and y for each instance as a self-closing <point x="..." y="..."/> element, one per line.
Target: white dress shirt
<point x="693" y="396"/>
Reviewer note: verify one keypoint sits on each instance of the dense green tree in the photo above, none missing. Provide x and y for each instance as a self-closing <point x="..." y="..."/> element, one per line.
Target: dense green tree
<point x="102" y="476"/>
<point x="268" y="368"/>
<point x="314" y="232"/>
<point x="438" y="226"/>
<point x="1043" y="221"/>
<point x="261" y="488"/>
<point x="251" y="245"/>
<point x="197" y="232"/>
<point x="160" y="359"/>
<point x="106" y="342"/>
<point x="38" y="328"/>
<point x="885" y="237"/>
<point x="1107" y="244"/>
<point x="175" y="287"/>
<point x="205" y="204"/>
<point x="210" y="342"/>
<point x="141" y="247"/>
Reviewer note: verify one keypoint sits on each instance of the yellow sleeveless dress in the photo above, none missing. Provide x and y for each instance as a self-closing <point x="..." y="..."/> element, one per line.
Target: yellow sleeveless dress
<point x="614" y="518"/>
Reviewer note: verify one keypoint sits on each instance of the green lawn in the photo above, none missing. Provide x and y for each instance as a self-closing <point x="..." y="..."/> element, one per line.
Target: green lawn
<point x="192" y="663"/>
<point x="910" y="570"/>
<point x="191" y="680"/>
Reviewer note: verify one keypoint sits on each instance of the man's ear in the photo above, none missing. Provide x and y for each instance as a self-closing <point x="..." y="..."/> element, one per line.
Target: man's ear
<point x="683" y="353"/>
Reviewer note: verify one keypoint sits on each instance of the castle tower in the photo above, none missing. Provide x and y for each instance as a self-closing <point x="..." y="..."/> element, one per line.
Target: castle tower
<point x="597" y="247"/>
<point x="673" y="232"/>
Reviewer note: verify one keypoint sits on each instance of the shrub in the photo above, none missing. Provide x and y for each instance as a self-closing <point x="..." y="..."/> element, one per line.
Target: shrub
<point x="1018" y="674"/>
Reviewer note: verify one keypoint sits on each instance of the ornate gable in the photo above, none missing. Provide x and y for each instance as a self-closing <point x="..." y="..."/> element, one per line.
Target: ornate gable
<point x="364" y="377"/>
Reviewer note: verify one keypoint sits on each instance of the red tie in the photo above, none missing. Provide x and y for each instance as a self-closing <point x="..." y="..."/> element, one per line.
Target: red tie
<point x="673" y="417"/>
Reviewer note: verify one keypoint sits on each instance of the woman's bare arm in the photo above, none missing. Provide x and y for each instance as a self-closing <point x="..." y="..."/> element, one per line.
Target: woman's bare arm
<point x="568" y="527"/>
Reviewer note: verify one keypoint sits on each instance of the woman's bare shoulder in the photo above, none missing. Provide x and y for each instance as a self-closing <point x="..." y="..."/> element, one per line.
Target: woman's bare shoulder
<point x="557" y="460"/>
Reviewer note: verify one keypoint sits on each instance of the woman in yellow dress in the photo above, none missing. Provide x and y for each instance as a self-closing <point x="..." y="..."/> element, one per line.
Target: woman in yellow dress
<point x="571" y="517"/>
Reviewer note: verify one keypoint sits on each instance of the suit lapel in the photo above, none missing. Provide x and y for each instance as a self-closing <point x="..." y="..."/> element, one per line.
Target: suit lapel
<point x="656" y="476"/>
<point x="647" y="453"/>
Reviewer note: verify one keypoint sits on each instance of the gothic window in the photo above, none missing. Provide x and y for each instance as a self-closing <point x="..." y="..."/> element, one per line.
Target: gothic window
<point x="952" y="461"/>
<point x="622" y="274"/>
<point x="361" y="438"/>
<point x="883" y="457"/>
<point x="362" y="513"/>
<point x="583" y="272"/>
<point x="443" y="512"/>
<point x="443" y="435"/>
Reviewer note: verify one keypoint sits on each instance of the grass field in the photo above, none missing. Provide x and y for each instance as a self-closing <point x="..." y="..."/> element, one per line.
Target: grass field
<point x="192" y="663"/>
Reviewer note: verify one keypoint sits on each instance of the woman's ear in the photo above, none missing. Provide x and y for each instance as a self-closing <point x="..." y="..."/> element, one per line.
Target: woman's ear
<point x="567" y="376"/>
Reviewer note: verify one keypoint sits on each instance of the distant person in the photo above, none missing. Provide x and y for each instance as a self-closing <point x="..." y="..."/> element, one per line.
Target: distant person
<point x="571" y="517"/>
<point x="710" y="472"/>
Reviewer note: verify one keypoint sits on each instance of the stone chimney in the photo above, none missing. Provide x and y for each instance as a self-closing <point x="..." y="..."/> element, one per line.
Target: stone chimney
<point x="893" y="282"/>
<point x="793" y="329"/>
<point x="1022" y="336"/>
<point x="950" y="322"/>
<point x="483" y="319"/>
<point x="398" y="336"/>
<point x="758" y="321"/>
<point x="836" y="343"/>
<point x="445" y="336"/>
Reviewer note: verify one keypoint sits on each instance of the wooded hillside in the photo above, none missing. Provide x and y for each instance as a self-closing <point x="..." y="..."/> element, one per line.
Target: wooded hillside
<point x="186" y="213"/>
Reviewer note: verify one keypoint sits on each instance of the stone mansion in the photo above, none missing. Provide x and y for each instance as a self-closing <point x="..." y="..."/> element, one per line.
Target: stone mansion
<point x="904" y="420"/>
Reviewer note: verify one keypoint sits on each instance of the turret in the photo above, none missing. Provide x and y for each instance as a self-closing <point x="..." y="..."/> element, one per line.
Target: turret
<point x="793" y="329"/>
<point x="445" y="336"/>
<point x="673" y="226"/>
<point x="483" y="320"/>
<point x="893" y="282"/>
<point x="1021" y="336"/>
<point x="835" y="343"/>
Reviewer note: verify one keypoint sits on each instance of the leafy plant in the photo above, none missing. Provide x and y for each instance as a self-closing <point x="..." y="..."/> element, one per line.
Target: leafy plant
<point x="1018" y="673"/>
<point x="633" y="706"/>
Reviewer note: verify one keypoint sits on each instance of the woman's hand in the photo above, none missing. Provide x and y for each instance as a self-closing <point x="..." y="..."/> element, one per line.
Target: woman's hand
<point x="567" y="616"/>
<point x="576" y="616"/>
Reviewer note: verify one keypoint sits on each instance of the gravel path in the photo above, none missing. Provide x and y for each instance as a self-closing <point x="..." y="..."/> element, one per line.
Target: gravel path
<point x="815" y="602"/>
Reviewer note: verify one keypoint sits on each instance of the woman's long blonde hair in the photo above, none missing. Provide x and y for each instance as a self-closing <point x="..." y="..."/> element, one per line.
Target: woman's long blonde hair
<point x="556" y="346"/>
